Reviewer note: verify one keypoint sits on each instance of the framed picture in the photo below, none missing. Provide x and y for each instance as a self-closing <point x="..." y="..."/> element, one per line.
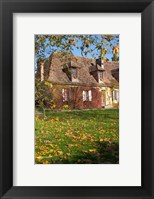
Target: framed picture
<point x="76" y="99"/>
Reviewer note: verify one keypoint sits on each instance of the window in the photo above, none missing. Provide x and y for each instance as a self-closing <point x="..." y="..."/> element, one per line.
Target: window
<point x="90" y="95"/>
<point x="116" y="95"/>
<point x="74" y="73"/>
<point x="102" y="62"/>
<point x="100" y="76"/>
<point x="64" y="95"/>
<point x="87" y="95"/>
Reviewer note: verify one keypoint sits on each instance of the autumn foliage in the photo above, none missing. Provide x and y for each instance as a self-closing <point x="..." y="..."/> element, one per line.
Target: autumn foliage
<point x="77" y="137"/>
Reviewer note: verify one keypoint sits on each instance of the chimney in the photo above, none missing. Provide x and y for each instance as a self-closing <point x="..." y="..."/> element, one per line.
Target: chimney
<point x="102" y="56"/>
<point x="42" y="71"/>
<point x="102" y="62"/>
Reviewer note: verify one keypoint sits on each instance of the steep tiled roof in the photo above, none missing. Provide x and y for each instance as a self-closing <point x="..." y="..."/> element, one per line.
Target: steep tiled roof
<point x="56" y="64"/>
<point x="107" y="75"/>
<point x="115" y="73"/>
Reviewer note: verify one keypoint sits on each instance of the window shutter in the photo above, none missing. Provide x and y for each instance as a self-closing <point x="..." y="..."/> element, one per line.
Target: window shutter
<point x="84" y="95"/>
<point x="63" y="94"/>
<point x="66" y="93"/>
<point x="90" y="95"/>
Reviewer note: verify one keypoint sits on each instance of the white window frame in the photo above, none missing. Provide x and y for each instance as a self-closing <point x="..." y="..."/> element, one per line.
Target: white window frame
<point x="65" y="95"/>
<point x="87" y="95"/>
<point x="90" y="95"/>
<point x="100" y="73"/>
<point x="116" y="95"/>
<point x="72" y="73"/>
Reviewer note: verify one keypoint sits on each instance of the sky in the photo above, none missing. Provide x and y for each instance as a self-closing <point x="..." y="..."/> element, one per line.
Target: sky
<point x="108" y="55"/>
<point x="77" y="52"/>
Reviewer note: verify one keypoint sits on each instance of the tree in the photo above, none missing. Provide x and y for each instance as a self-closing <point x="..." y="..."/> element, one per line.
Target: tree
<point x="115" y="53"/>
<point x="87" y="45"/>
<point x="43" y="95"/>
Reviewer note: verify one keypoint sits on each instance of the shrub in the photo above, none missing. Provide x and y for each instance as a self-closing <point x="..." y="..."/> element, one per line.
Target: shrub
<point x="65" y="107"/>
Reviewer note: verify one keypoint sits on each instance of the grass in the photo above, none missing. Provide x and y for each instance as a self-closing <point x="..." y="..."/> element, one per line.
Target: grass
<point x="78" y="137"/>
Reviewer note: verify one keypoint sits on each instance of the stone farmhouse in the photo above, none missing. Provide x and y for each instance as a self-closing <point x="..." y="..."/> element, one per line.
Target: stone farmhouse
<point x="81" y="83"/>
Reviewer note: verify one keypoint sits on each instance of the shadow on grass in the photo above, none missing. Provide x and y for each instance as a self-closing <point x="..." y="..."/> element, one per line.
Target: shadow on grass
<point x="104" y="153"/>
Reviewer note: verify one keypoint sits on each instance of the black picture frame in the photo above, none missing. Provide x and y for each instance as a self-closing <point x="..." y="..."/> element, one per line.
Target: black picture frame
<point x="7" y="8"/>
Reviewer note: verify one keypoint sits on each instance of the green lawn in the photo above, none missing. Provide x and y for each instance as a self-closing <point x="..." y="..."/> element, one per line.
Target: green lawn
<point x="78" y="137"/>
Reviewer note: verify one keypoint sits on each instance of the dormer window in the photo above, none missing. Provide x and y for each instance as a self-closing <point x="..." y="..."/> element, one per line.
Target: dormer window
<point x="74" y="73"/>
<point x="71" y="69"/>
<point x="100" y="76"/>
